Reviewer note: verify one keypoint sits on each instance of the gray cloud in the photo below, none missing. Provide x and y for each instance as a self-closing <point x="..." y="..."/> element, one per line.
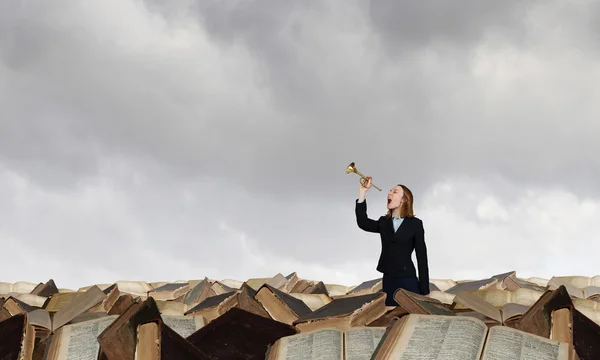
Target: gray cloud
<point x="174" y="122"/>
<point x="292" y="80"/>
<point x="405" y="26"/>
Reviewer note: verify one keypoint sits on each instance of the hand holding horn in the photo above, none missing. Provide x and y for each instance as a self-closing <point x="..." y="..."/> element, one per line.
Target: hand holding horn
<point x="365" y="181"/>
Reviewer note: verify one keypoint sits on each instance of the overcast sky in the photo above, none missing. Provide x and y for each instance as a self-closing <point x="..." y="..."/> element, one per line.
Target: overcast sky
<point x="162" y="141"/>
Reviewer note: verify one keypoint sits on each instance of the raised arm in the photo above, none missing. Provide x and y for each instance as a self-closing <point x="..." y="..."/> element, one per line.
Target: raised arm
<point x="422" y="263"/>
<point x="362" y="219"/>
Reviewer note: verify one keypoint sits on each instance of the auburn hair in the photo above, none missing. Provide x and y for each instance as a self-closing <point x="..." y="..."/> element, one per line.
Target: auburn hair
<point x="406" y="208"/>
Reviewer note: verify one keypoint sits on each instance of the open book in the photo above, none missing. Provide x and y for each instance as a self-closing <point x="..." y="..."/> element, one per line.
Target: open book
<point x="357" y="343"/>
<point x="437" y="337"/>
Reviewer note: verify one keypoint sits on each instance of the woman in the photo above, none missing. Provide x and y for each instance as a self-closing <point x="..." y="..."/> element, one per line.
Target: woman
<point x="401" y="233"/>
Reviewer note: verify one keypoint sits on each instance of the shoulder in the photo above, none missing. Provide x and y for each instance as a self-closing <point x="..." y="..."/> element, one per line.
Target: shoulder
<point x="416" y="221"/>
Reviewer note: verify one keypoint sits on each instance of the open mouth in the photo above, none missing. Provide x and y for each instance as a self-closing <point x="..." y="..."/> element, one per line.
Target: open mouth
<point x="389" y="200"/>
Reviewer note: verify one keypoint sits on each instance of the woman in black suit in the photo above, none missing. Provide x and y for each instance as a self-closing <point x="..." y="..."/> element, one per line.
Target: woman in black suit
<point x="401" y="233"/>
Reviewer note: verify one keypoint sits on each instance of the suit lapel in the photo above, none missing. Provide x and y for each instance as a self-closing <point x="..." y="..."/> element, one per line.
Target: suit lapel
<point x="400" y="228"/>
<point x="391" y="226"/>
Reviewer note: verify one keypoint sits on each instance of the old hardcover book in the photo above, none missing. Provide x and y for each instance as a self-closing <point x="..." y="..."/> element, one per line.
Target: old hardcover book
<point x="56" y="301"/>
<point x="16" y="338"/>
<point x="281" y="306"/>
<point x="411" y="303"/>
<point x="343" y="313"/>
<point x="200" y="292"/>
<point x="513" y="283"/>
<point x="5" y="314"/>
<point x="45" y="322"/>
<point x="424" y="337"/>
<point x="358" y="343"/>
<point x="316" y="288"/>
<point x="299" y="286"/>
<point x="492" y="313"/>
<point x="572" y="326"/>
<point x="16" y="306"/>
<point x="119" y="338"/>
<point x="418" y="304"/>
<point x="500" y="298"/>
<point x="45" y="290"/>
<point x="77" y="306"/>
<point x="537" y="320"/>
<point x="367" y="287"/>
<point x="292" y="279"/>
<point x="214" y="306"/>
<point x="313" y="301"/>
<point x="246" y="300"/>
<point x="78" y="340"/>
<point x="169" y="291"/>
<point x="472" y="285"/>
<point x="586" y="336"/>
<point x="157" y="341"/>
<point x="239" y="334"/>
<point x="220" y="288"/>
<point x="124" y="302"/>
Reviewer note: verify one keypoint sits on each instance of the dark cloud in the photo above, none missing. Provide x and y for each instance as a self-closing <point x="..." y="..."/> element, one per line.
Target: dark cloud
<point x="189" y="118"/>
<point x="405" y="26"/>
<point x="301" y="93"/>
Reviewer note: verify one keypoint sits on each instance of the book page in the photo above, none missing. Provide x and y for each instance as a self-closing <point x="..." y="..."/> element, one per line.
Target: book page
<point x="79" y="341"/>
<point x="590" y="291"/>
<point x="440" y="337"/>
<point x="314" y="301"/>
<point x="135" y="288"/>
<point x="184" y="325"/>
<point x="443" y="297"/>
<point x="40" y="317"/>
<point x="57" y="301"/>
<point x="362" y="341"/>
<point x="585" y="303"/>
<point x="33" y="300"/>
<point x="471" y="301"/>
<point x="592" y="314"/>
<point x="512" y="309"/>
<point x="77" y="306"/>
<point x="324" y="344"/>
<point x="169" y="307"/>
<point x="505" y="343"/>
<point x="526" y="296"/>
<point x="495" y="297"/>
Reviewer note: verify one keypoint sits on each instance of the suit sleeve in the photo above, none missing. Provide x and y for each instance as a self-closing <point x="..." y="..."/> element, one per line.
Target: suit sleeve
<point x="421" y="252"/>
<point x="363" y="220"/>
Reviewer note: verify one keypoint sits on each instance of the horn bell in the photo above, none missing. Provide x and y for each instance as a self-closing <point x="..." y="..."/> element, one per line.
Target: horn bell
<point x="350" y="168"/>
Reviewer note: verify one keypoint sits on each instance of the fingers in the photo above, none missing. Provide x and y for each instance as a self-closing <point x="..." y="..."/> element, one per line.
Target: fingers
<point x="366" y="182"/>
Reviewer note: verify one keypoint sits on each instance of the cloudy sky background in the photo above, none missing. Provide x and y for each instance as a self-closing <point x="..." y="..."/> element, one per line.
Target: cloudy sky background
<point x="175" y="140"/>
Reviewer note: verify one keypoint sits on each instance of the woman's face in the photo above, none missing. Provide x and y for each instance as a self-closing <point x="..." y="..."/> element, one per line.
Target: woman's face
<point x="394" y="197"/>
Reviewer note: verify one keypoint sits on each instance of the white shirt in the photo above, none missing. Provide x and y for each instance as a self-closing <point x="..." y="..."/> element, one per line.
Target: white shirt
<point x="397" y="222"/>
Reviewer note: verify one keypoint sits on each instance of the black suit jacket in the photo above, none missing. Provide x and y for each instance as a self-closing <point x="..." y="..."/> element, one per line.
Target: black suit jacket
<point x="397" y="246"/>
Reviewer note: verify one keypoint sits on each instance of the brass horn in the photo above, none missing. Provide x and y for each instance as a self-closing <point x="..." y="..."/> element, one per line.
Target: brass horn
<point x="352" y="169"/>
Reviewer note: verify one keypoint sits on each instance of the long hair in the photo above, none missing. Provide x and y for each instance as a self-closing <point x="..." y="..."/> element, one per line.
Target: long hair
<point x="406" y="208"/>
